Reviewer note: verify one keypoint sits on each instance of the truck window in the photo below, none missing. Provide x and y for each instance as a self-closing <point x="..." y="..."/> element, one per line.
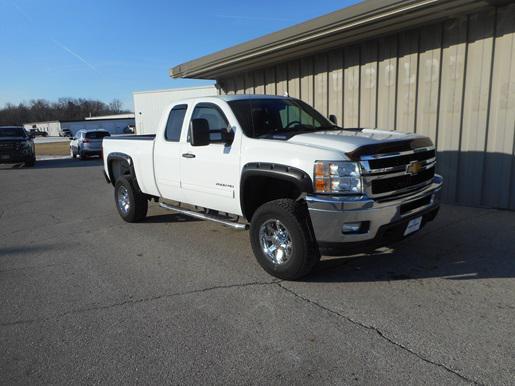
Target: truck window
<point x="97" y="134"/>
<point x="214" y="116"/>
<point x="174" y="124"/>
<point x="262" y="118"/>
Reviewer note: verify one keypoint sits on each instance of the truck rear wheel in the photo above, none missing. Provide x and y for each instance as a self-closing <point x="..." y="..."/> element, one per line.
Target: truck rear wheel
<point x="282" y="239"/>
<point x="132" y="205"/>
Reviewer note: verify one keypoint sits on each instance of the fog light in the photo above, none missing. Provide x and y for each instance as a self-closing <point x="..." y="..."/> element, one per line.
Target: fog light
<point x="355" y="227"/>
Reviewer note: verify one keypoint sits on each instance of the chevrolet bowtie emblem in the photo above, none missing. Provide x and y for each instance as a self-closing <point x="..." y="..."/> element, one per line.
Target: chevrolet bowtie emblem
<point x="414" y="167"/>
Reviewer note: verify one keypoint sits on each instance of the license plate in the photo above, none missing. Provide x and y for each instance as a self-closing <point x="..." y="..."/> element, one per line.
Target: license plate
<point x="5" y="157"/>
<point x="413" y="226"/>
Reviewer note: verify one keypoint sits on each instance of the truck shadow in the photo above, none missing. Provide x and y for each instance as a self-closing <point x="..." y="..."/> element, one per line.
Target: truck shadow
<point x="463" y="244"/>
<point x="169" y="218"/>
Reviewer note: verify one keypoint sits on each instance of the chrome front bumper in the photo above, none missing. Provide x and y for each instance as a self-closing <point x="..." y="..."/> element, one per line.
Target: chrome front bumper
<point x="330" y="213"/>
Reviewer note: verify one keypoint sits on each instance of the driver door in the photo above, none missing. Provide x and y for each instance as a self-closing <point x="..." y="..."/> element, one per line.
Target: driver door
<point x="210" y="174"/>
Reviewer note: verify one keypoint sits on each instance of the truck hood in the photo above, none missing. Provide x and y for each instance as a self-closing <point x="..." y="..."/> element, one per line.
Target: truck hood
<point x="370" y="141"/>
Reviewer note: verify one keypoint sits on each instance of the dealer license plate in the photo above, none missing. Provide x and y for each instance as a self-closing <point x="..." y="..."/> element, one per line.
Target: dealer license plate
<point x="413" y="226"/>
<point x="5" y="156"/>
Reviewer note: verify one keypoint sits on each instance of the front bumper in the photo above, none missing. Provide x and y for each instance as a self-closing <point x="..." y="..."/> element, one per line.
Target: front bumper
<point x="15" y="157"/>
<point x="330" y="213"/>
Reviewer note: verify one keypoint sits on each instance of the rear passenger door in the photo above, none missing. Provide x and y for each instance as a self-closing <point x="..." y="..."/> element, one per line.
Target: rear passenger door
<point x="167" y="154"/>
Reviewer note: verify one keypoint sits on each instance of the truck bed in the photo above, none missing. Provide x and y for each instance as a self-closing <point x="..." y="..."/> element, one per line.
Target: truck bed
<point x="141" y="149"/>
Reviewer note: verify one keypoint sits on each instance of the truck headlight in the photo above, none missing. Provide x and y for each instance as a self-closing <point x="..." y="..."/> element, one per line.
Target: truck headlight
<point x="337" y="177"/>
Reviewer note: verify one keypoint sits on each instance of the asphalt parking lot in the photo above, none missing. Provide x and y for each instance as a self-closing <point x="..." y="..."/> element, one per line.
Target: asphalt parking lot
<point x="87" y="298"/>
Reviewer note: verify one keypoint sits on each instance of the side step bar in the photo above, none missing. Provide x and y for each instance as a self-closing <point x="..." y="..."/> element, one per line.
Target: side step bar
<point x="204" y="216"/>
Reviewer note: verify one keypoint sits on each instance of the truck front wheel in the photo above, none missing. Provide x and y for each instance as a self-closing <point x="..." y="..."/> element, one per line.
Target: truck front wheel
<point x="282" y="239"/>
<point x="132" y="205"/>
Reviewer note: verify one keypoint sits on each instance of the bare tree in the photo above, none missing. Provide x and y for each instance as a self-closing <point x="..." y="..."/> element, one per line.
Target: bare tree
<point x="65" y="109"/>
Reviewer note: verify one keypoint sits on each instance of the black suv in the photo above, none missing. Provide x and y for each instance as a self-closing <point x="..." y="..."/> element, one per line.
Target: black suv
<point x="16" y="146"/>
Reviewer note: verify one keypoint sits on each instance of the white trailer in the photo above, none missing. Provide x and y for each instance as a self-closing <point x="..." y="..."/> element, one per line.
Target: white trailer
<point x="149" y="105"/>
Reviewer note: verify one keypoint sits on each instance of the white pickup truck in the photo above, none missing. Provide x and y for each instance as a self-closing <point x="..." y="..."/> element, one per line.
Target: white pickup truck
<point x="274" y="164"/>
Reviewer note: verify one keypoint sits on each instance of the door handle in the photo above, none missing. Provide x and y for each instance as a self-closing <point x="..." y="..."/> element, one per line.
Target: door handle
<point x="188" y="155"/>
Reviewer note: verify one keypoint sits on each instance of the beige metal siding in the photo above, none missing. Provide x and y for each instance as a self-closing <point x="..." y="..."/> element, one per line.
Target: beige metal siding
<point x="387" y="82"/>
<point x="368" y="76"/>
<point x="453" y="81"/>
<point x="306" y="81"/>
<point x="294" y="79"/>
<point x="259" y="82"/>
<point x="451" y="102"/>
<point x="407" y="80"/>
<point x="500" y="141"/>
<point x="335" y="102"/>
<point x="352" y="87"/>
<point x="249" y="83"/>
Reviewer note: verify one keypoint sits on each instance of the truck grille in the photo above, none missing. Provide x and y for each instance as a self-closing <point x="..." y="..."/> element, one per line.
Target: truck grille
<point x="391" y="174"/>
<point x="8" y="146"/>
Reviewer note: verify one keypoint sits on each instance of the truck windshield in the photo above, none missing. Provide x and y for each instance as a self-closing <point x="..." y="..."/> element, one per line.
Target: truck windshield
<point x="12" y="132"/>
<point x="277" y="118"/>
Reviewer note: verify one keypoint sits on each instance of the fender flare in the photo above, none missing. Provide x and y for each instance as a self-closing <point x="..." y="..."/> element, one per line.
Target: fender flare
<point x="290" y="174"/>
<point x="125" y="159"/>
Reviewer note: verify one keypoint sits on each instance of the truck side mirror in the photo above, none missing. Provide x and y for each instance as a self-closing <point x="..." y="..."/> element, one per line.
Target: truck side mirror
<point x="333" y="119"/>
<point x="199" y="132"/>
<point x="228" y="136"/>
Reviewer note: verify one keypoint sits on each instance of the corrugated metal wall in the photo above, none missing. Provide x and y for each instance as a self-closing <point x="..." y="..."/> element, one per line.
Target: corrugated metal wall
<point x="453" y="81"/>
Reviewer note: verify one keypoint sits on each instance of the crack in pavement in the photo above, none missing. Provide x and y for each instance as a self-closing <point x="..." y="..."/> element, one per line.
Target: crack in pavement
<point x="278" y="283"/>
<point x="136" y="301"/>
<point x="377" y="331"/>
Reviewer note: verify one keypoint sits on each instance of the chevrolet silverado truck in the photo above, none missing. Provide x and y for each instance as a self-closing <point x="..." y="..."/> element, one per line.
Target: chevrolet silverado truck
<point x="300" y="183"/>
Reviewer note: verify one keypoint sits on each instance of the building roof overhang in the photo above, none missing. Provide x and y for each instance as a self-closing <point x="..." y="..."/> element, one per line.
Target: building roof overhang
<point x="350" y="25"/>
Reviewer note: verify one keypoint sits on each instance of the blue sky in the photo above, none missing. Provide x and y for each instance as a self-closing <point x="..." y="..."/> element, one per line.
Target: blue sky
<point x="108" y="49"/>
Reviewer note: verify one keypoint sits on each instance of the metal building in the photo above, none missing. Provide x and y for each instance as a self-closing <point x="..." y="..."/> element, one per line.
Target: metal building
<point x="115" y="124"/>
<point x="444" y="68"/>
<point x="149" y="105"/>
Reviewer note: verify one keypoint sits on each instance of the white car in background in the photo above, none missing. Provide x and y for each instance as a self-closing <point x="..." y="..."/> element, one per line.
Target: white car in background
<point x="87" y="143"/>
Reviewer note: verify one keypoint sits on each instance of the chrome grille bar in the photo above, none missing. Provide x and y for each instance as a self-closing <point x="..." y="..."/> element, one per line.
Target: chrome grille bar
<point x="396" y="154"/>
<point x="392" y="177"/>
<point x="369" y="172"/>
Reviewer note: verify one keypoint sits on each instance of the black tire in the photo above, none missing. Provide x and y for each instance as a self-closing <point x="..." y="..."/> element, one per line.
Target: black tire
<point x="30" y="162"/>
<point x="294" y="216"/>
<point x="137" y="201"/>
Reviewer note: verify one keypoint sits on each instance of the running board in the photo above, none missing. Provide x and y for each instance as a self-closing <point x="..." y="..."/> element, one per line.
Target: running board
<point x="204" y="216"/>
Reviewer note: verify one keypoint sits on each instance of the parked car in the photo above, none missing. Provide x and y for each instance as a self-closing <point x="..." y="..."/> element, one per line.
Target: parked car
<point x="66" y="133"/>
<point x="128" y="130"/>
<point x="278" y="167"/>
<point x="38" y="133"/>
<point x="87" y="143"/>
<point x="16" y="146"/>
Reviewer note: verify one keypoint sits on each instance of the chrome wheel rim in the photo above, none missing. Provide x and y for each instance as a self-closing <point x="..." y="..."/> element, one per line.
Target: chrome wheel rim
<point x="275" y="241"/>
<point x="123" y="199"/>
